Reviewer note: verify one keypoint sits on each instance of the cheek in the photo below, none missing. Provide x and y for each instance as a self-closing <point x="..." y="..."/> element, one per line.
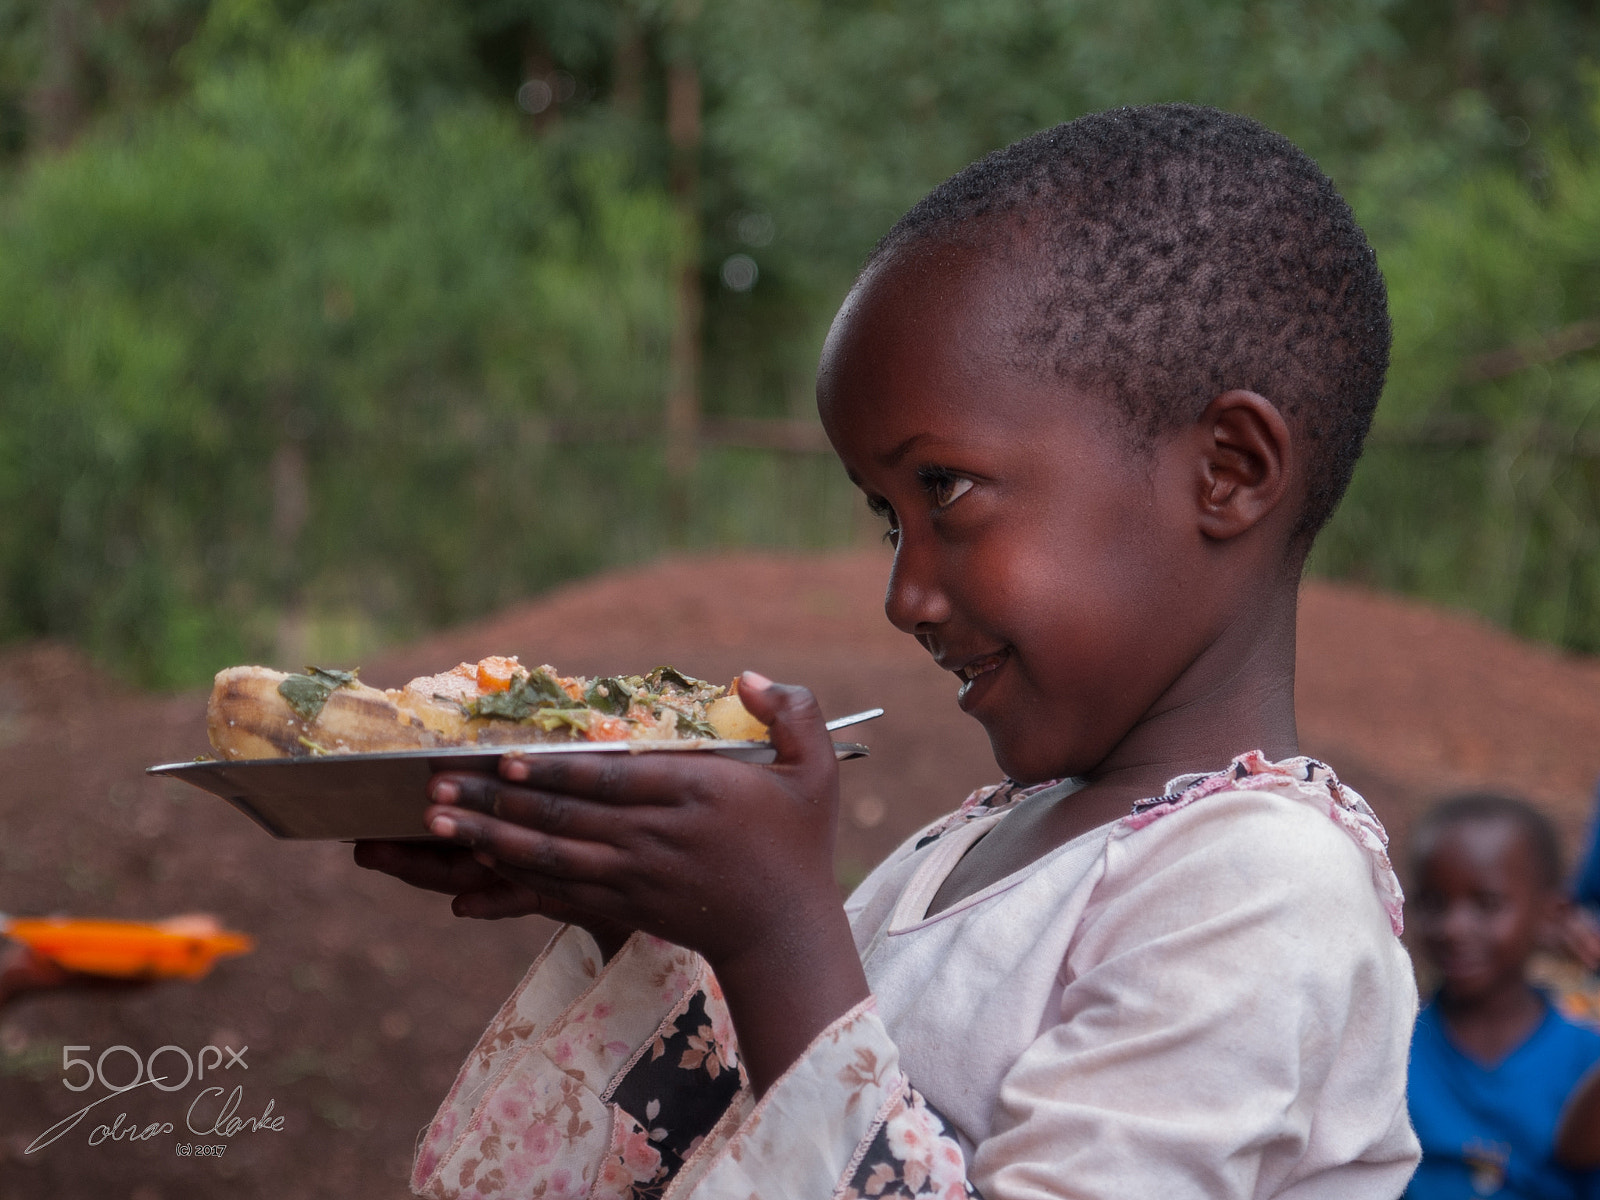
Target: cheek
<point x="1512" y="933"/>
<point x="1428" y="928"/>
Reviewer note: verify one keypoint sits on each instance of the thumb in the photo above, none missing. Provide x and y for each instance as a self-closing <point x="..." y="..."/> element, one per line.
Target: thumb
<point x="793" y="720"/>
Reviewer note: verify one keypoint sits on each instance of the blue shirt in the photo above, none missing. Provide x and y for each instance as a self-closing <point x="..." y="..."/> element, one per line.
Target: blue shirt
<point x="1490" y="1131"/>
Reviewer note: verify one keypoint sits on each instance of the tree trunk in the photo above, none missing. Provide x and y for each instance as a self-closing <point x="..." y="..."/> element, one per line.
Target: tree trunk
<point x="683" y="395"/>
<point x="628" y="67"/>
<point x="57" y="102"/>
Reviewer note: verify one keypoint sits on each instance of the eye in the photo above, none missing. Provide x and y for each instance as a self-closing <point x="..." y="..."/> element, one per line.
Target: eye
<point x="1491" y="903"/>
<point x="1430" y="903"/>
<point x="945" y="486"/>
<point x="880" y="507"/>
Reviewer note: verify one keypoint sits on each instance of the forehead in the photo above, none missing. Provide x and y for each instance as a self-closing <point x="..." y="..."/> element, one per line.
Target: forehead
<point x="1479" y="848"/>
<point x="933" y="333"/>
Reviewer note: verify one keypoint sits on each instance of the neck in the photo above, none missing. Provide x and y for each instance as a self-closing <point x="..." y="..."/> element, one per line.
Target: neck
<point x="1237" y="695"/>
<point x="1491" y="1025"/>
<point x="1506" y="1000"/>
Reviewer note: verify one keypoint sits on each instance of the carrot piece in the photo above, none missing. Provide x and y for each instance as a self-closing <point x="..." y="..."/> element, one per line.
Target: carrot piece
<point x="495" y="674"/>
<point x="608" y="729"/>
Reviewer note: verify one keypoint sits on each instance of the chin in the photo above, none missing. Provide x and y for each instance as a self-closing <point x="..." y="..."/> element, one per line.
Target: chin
<point x="1465" y="991"/>
<point x="1027" y="768"/>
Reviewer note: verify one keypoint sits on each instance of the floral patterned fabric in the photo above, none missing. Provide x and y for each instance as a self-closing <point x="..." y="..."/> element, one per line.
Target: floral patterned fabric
<point x="911" y="1156"/>
<point x="580" y="1087"/>
<point x="622" y="1081"/>
<point x="680" y="1087"/>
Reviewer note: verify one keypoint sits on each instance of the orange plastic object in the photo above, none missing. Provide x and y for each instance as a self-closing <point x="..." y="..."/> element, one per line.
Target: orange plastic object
<point x="182" y="947"/>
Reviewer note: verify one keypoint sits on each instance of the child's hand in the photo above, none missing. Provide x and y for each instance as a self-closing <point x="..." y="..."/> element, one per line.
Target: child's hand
<point x="701" y="850"/>
<point x="729" y="859"/>
<point x="1580" y="936"/>
<point x="479" y="889"/>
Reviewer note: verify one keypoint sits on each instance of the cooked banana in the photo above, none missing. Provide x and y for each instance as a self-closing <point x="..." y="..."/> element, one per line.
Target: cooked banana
<point x="249" y="717"/>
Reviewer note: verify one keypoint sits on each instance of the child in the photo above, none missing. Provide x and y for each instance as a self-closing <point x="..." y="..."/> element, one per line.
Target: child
<point x="1492" y="1062"/>
<point x="1104" y="387"/>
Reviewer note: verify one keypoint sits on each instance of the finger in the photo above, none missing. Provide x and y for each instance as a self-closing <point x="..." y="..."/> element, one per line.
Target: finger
<point x="433" y="868"/>
<point x="551" y="812"/>
<point x="560" y="899"/>
<point x="546" y="855"/>
<point x="792" y="716"/>
<point x="504" y="897"/>
<point x="619" y="779"/>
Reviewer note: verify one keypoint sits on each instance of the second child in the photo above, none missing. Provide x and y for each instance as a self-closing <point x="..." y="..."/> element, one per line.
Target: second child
<point x="1493" y="1063"/>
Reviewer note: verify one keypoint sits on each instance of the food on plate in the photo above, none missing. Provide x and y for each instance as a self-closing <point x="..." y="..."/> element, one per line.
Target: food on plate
<point x="256" y="712"/>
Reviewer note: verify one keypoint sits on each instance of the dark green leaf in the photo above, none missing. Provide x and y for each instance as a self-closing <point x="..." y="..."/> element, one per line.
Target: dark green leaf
<point x="693" y="724"/>
<point x="509" y="705"/>
<point x="609" y="695"/>
<point x="305" y="694"/>
<point x="662" y="676"/>
<point x="538" y="690"/>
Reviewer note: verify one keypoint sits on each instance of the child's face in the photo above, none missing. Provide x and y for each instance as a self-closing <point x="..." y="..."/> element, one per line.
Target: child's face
<point x="1038" y="555"/>
<point x="1479" y="907"/>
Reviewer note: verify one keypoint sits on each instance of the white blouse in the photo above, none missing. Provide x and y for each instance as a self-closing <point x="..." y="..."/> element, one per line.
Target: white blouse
<point x="1206" y="998"/>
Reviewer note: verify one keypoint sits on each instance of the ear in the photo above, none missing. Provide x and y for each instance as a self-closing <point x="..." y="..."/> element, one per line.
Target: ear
<point x="1245" y="463"/>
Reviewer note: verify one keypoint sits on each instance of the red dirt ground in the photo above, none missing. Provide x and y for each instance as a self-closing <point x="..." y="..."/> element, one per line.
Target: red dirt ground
<point x="363" y="996"/>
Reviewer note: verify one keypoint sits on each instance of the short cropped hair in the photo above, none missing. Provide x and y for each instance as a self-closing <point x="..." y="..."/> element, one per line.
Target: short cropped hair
<point x="1537" y="831"/>
<point x="1182" y="252"/>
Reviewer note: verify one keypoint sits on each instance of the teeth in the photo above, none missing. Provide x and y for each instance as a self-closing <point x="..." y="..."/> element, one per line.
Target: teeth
<point x="972" y="670"/>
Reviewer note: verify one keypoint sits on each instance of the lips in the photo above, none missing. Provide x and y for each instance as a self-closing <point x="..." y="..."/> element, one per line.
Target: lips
<point x="976" y="675"/>
<point x="1460" y="964"/>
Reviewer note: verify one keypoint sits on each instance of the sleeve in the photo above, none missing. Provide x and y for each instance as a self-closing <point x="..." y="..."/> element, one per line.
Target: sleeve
<point x="592" y="1081"/>
<point x="842" y="1123"/>
<point x="622" y="1082"/>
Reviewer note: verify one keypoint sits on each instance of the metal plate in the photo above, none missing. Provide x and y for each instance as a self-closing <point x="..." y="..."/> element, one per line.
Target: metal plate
<point x="354" y="797"/>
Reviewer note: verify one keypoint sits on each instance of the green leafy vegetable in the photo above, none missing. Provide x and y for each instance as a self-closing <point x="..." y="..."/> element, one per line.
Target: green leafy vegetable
<point x="539" y="699"/>
<point x="535" y="691"/>
<point x="551" y="719"/>
<point x="693" y="724"/>
<point x="661" y="676"/>
<point x="307" y="693"/>
<point x="609" y="695"/>
<point x="509" y="705"/>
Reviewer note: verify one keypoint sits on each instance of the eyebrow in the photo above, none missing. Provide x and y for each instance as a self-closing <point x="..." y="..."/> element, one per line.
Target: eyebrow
<point x="893" y="457"/>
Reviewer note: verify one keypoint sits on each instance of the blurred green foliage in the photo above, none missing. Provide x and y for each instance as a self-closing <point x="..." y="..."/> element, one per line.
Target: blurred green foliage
<point x="271" y="350"/>
<point x="1481" y="487"/>
<point x="326" y="321"/>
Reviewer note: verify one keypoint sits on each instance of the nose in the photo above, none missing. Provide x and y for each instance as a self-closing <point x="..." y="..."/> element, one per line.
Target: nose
<point x="1450" y="927"/>
<point x="915" y="602"/>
